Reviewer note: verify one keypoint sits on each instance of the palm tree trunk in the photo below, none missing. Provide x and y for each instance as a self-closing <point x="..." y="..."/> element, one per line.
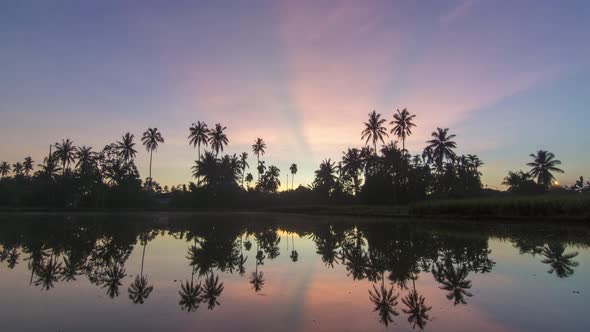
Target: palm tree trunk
<point x="292" y="180"/>
<point x="258" y="164"/>
<point x="142" y="257"/>
<point x="198" y="159"/>
<point x="151" y="151"/>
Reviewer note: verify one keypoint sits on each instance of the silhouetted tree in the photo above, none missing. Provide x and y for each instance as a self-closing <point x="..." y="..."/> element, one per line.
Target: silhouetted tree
<point x="543" y="164"/>
<point x="374" y="130"/>
<point x="259" y="148"/>
<point x="217" y="138"/>
<point x="442" y="145"/>
<point x="4" y="169"/>
<point x="126" y="147"/>
<point x="293" y="169"/>
<point x="151" y="139"/>
<point x="402" y="122"/>
<point x="65" y="152"/>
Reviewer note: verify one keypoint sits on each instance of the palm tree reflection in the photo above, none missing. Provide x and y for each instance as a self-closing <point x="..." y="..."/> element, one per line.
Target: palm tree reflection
<point x="48" y="273"/>
<point x="294" y="254"/>
<point x="190" y="296"/>
<point x="140" y="290"/>
<point x="212" y="291"/>
<point x="385" y="301"/>
<point x="416" y="307"/>
<point x="454" y="281"/>
<point x="560" y="263"/>
<point x="113" y="279"/>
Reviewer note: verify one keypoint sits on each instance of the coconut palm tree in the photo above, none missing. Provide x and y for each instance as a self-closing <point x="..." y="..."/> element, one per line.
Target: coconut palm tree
<point x="125" y="147"/>
<point x="352" y="165"/>
<point x="212" y="291"/>
<point x="374" y="130"/>
<point x="514" y="180"/>
<point x="199" y="134"/>
<point x="66" y="153"/>
<point x="85" y="157"/>
<point x="4" y="169"/>
<point x="543" y="164"/>
<point x="249" y="179"/>
<point x="244" y="165"/>
<point x="28" y="165"/>
<point x="17" y="168"/>
<point x="560" y="263"/>
<point x="442" y="145"/>
<point x="259" y="148"/>
<point x="217" y="138"/>
<point x="151" y="139"/>
<point x="403" y="124"/>
<point x="293" y="170"/>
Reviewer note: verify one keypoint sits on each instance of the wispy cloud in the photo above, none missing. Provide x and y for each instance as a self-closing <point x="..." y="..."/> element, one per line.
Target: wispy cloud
<point x="457" y="11"/>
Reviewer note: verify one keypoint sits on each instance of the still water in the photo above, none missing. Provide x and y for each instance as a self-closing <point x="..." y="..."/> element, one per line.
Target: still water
<point x="264" y="272"/>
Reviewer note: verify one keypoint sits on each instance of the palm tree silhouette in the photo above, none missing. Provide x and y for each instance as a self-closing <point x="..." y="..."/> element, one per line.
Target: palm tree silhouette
<point x="403" y="124"/>
<point x="442" y="145"/>
<point x="244" y="165"/>
<point x="454" y="281"/>
<point x="126" y="146"/>
<point x="352" y="165"/>
<point x="112" y="279"/>
<point x="385" y="301"/>
<point x="199" y="134"/>
<point x="560" y="263"/>
<point x="85" y="157"/>
<point x="217" y="138"/>
<point x="28" y="165"/>
<point x="4" y="169"/>
<point x="249" y="178"/>
<point x="65" y="152"/>
<point x="259" y="148"/>
<point x="150" y="139"/>
<point x="543" y="164"/>
<point x="212" y="291"/>
<point x="17" y="168"/>
<point x="139" y="291"/>
<point x="515" y="179"/>
<point x="374" y="130"/>
<point x="293" y="170"/>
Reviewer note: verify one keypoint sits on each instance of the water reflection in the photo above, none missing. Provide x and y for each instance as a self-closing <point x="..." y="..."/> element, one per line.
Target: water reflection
<point x="392" y="257"/>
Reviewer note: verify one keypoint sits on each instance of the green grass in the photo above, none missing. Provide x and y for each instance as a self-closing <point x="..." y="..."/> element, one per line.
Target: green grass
<point x="553" y="206"/>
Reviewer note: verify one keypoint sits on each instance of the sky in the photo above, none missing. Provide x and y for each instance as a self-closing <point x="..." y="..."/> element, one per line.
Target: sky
<point x="507" y="77"/>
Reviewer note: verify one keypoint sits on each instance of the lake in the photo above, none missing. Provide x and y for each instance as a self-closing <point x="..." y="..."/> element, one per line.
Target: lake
<point x="270" y="272"/>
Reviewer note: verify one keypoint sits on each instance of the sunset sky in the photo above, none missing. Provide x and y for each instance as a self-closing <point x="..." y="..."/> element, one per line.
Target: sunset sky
<point x="507" y="77"/>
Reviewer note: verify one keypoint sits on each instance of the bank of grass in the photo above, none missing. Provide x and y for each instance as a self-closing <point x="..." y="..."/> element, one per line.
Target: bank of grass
<point x="532" y="207"/>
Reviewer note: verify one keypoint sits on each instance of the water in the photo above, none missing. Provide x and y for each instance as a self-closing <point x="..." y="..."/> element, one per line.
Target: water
<point x="260" y="272"/>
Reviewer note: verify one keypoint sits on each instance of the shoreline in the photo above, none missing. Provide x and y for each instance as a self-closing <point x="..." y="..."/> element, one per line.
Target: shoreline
<point x="360" y="211"/>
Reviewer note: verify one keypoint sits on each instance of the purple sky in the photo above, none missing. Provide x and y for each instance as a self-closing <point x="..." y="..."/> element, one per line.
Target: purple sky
<point x="508" y="77"/>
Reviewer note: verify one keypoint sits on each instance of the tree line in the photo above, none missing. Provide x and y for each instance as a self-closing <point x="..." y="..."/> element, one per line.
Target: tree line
<point x="378" y="172"/>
